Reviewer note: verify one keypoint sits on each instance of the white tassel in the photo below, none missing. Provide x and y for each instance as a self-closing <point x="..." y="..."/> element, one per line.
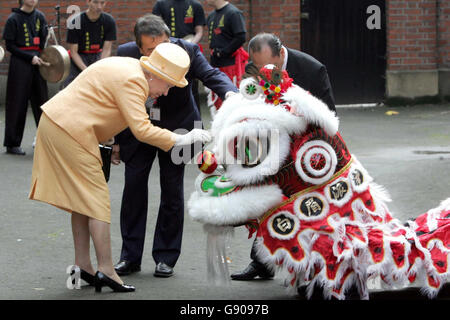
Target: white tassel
<point x="216" y="257"/>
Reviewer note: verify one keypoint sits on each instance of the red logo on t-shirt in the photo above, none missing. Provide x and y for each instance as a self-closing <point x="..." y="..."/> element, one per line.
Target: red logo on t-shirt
<point x="217" y="31"/>
<point x="95" y="46"/>
<point x="188" y="19"/>
<point x="36" y="41"/>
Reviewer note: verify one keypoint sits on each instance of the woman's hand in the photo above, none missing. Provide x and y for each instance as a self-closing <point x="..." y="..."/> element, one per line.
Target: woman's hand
<point x="229" y="94"/>
<point x="192" y="136"/>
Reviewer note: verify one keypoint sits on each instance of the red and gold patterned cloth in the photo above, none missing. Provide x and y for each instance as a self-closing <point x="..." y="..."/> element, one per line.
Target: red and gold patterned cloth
<point x="340" y="233"/>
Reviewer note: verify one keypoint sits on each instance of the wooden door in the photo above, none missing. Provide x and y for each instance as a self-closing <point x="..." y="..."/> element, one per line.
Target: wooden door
<point x="346" y="38"/>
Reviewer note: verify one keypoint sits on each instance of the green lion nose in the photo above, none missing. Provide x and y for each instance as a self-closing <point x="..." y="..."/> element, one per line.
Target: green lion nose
<point x="209" y="184"/>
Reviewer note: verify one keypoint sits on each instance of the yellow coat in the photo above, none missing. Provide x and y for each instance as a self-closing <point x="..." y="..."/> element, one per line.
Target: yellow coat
<point x="102" y="101"/>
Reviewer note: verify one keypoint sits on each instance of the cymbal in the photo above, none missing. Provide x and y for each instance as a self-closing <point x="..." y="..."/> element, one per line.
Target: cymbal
<point x="2" y="54"/>
<point x="59" y="60"/>
<point x="189" y="37"/>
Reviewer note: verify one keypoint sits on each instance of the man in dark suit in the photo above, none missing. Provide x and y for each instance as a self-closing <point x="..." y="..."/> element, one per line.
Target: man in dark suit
<point x="177" y="110"/>
<point x="308" y="73"/>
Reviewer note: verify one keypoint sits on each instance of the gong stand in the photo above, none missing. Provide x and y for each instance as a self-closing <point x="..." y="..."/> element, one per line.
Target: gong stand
<point x="2" y="54"/>
<point x="58" y="20"/>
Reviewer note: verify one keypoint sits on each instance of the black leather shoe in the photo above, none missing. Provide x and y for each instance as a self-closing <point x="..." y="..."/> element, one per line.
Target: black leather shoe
<point x="252" y="271"/>
<point x="15" y="150"/>
<point x="125" y="268"/>
<point x="102" y="280"/>
<point x="163" y="270"/>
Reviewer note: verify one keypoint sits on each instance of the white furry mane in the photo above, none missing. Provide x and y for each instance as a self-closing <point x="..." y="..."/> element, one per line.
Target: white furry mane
<point x="308" y="110"/>
<point x="312" y="109"/>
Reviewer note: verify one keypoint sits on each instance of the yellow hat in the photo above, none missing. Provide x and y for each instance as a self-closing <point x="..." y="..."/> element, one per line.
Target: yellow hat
<point x="169" y="62"/>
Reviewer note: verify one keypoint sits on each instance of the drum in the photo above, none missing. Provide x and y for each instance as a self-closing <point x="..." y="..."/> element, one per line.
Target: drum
<point x="2" y="54"/>
<point x="59" y="60"/>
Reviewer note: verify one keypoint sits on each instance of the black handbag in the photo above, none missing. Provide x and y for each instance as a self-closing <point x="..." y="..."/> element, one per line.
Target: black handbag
<point x="106" y="152"/>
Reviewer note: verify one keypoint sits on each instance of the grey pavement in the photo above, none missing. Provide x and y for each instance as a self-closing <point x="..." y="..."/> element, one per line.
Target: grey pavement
<point x="408" y="153"/>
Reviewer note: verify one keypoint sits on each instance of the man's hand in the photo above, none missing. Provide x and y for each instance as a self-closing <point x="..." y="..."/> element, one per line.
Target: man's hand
<point x="115" y="156"/>
<point x="39" y="62"/>
<point x="109" y="142"/>
<point x="229" y="94"/>
<point x="191" y="137"/>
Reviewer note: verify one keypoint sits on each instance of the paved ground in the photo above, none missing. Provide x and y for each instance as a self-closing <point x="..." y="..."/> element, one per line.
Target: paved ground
<point x="408" y="153"/>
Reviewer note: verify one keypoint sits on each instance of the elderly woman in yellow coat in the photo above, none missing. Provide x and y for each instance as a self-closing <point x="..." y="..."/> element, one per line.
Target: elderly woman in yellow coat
<point x="102" y="101"/>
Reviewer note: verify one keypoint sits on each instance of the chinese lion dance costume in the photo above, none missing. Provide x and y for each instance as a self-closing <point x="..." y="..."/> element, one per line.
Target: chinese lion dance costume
<point x="279" y="166"/>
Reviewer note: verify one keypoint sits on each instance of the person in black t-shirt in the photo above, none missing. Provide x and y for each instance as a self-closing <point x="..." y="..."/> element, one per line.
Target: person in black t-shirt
<point x="25" y="33"/>
<point x="226" y="32"/>
<point x="226" y="35"/>
<point x="185" y="19"/>
<point x="90" y="36"/>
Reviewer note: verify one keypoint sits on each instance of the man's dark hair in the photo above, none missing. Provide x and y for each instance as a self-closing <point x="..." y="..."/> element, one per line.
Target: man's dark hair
<point x="150" y="25"/>
<point x="265" y="39"/>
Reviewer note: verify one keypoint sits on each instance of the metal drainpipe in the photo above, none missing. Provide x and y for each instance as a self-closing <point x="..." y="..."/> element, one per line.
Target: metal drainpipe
<point x="438" y="54"/>
<point x="250" y="17"/>
<point x="438" y="5"/>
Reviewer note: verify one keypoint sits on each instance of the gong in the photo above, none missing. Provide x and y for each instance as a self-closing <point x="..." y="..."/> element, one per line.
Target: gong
<point x="2" y="54"/>
<point x="59" y="60"/>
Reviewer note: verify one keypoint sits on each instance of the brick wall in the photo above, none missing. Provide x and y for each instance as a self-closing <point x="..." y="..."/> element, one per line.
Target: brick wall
<point x="411" y="34"/>
<point x="279" y="16"/>
<point x="418" y="31"/>
<point x="418" y="49"/>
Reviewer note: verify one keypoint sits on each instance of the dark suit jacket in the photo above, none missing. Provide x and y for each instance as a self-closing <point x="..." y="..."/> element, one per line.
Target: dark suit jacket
<point x="178" y="108"/>
<point x="311" y="75"/>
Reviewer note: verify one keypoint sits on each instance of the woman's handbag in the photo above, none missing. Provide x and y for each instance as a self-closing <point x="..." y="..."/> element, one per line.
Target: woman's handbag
<point x="106" y="152"/>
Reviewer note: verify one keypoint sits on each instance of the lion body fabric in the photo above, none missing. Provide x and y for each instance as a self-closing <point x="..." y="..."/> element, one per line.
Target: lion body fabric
<point x="340" y="233"/>
<point x="316" y="210"/>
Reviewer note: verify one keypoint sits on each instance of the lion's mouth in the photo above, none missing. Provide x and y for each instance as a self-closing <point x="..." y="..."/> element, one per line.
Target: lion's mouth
<point x="219" y="185"/>
<point x="219" y="201"/>
<point x="232" y="205"/>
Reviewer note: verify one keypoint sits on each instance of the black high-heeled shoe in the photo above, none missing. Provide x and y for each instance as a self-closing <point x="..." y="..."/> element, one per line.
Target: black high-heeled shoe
<point x="89" y="278"/>
<point x="102" y="280"/>
<point x="86" y="276"/>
